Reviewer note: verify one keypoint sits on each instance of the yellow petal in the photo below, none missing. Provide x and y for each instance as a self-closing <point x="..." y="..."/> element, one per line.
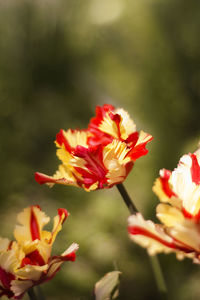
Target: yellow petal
<point x="162" y="195"/>
<point x="65" y="176"/>
<point x="76" y="137"/>
<point x="64" y="155"/>
<point x="31" y="272"/>
<point x="169" y="215"/>
<point x="109" y="126"/>
<point x="58" y="221"/>
<point x="143" y="138"/>
<point x="158" y="190"/>
<point x="187" y="232"/>
<point x="4" y="243"/>
<point x="115" y="160"/>
<point x="11" y="259"/>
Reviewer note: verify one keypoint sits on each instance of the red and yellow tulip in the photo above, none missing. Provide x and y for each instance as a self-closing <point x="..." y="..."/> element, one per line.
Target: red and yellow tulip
<point x="179" y="212"/>
<point x="101" y="155"/>
<point x="27" y="261"/>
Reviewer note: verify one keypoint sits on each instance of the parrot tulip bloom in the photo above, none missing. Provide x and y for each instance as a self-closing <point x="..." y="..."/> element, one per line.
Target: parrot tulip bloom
<point x="27" y="261"/>
<point x="179" y="212"/>
<point x="100" y="156"/>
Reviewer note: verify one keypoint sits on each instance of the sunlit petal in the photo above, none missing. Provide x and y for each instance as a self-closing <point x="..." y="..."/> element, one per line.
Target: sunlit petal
<point x="100" y="156"/>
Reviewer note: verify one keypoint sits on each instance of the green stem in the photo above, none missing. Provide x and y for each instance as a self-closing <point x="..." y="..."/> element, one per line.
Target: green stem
<point x="158" y="274"/>
<point x="32" y="294"/>
<point x="159" y="278"/>
<point x="40" y="293"/>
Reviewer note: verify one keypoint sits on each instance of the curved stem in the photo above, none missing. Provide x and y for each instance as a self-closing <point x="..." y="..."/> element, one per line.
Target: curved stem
<point x="159" y="278"/>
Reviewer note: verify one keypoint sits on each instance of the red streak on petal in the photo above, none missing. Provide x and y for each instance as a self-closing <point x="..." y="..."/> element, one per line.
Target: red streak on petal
<point x="38" y="206"/>
<point x="93" y="158"/>
<point x="62" y="211"/>
<point x="25" y="261"/>
<point x="136" y="230"/>
<point x="188" y="215"/>
<point x="33" y="258"/>
<point x="70" y="257"/>
<point x="10" y="245"/>
<point x="61" y="139"/>
<point x="34" y="227"/>
<point x="6" y="278"/>
<point x="165" y="184"/>
<point x="195" y="169"/>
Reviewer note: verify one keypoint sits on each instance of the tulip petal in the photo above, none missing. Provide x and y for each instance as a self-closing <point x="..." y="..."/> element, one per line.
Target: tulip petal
<point x="169" y="215"/>
<point x="115" y="160"/>
<point x="184" y="181"/>
<point x="57" y="261"/>
<point x="4" y="244"/>
<point x="32" y="220"/>
<point x="58" y="221"/>
<point x="153" y="236"/>
<point x="19" y="287"/>
<point x="60" y="177"/>
<point x="140" y="147"/>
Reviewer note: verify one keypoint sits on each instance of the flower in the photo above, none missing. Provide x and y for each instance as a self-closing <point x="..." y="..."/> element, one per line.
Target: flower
<point x="179" y="212"/>
<point x="27" y="261"/>
<point x="101" y="155"/>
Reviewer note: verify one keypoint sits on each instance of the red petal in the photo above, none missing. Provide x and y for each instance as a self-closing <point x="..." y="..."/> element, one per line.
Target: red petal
<point x="195" y="169"/>
<point x="34" y="227"/>
<point x="42" y="178"/>
<point x="139" y="150"/>
<point x="70" y="257"/>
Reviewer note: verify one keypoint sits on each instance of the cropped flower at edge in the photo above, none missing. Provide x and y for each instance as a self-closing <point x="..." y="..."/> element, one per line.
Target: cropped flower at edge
<point x="179" y="211"/>
<point x="101" y="155"/>
<point x="27" y="261"/>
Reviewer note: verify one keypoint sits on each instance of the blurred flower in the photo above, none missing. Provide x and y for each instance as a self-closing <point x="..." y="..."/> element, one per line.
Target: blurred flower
<point x="179" y="192"/>
<point x="108" y="286"/>
<point x="27" y="261"/>
<point x="100" y="156"/>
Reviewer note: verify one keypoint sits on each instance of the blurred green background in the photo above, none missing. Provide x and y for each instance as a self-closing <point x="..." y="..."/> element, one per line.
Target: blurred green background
<point x="58" y="60"/>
